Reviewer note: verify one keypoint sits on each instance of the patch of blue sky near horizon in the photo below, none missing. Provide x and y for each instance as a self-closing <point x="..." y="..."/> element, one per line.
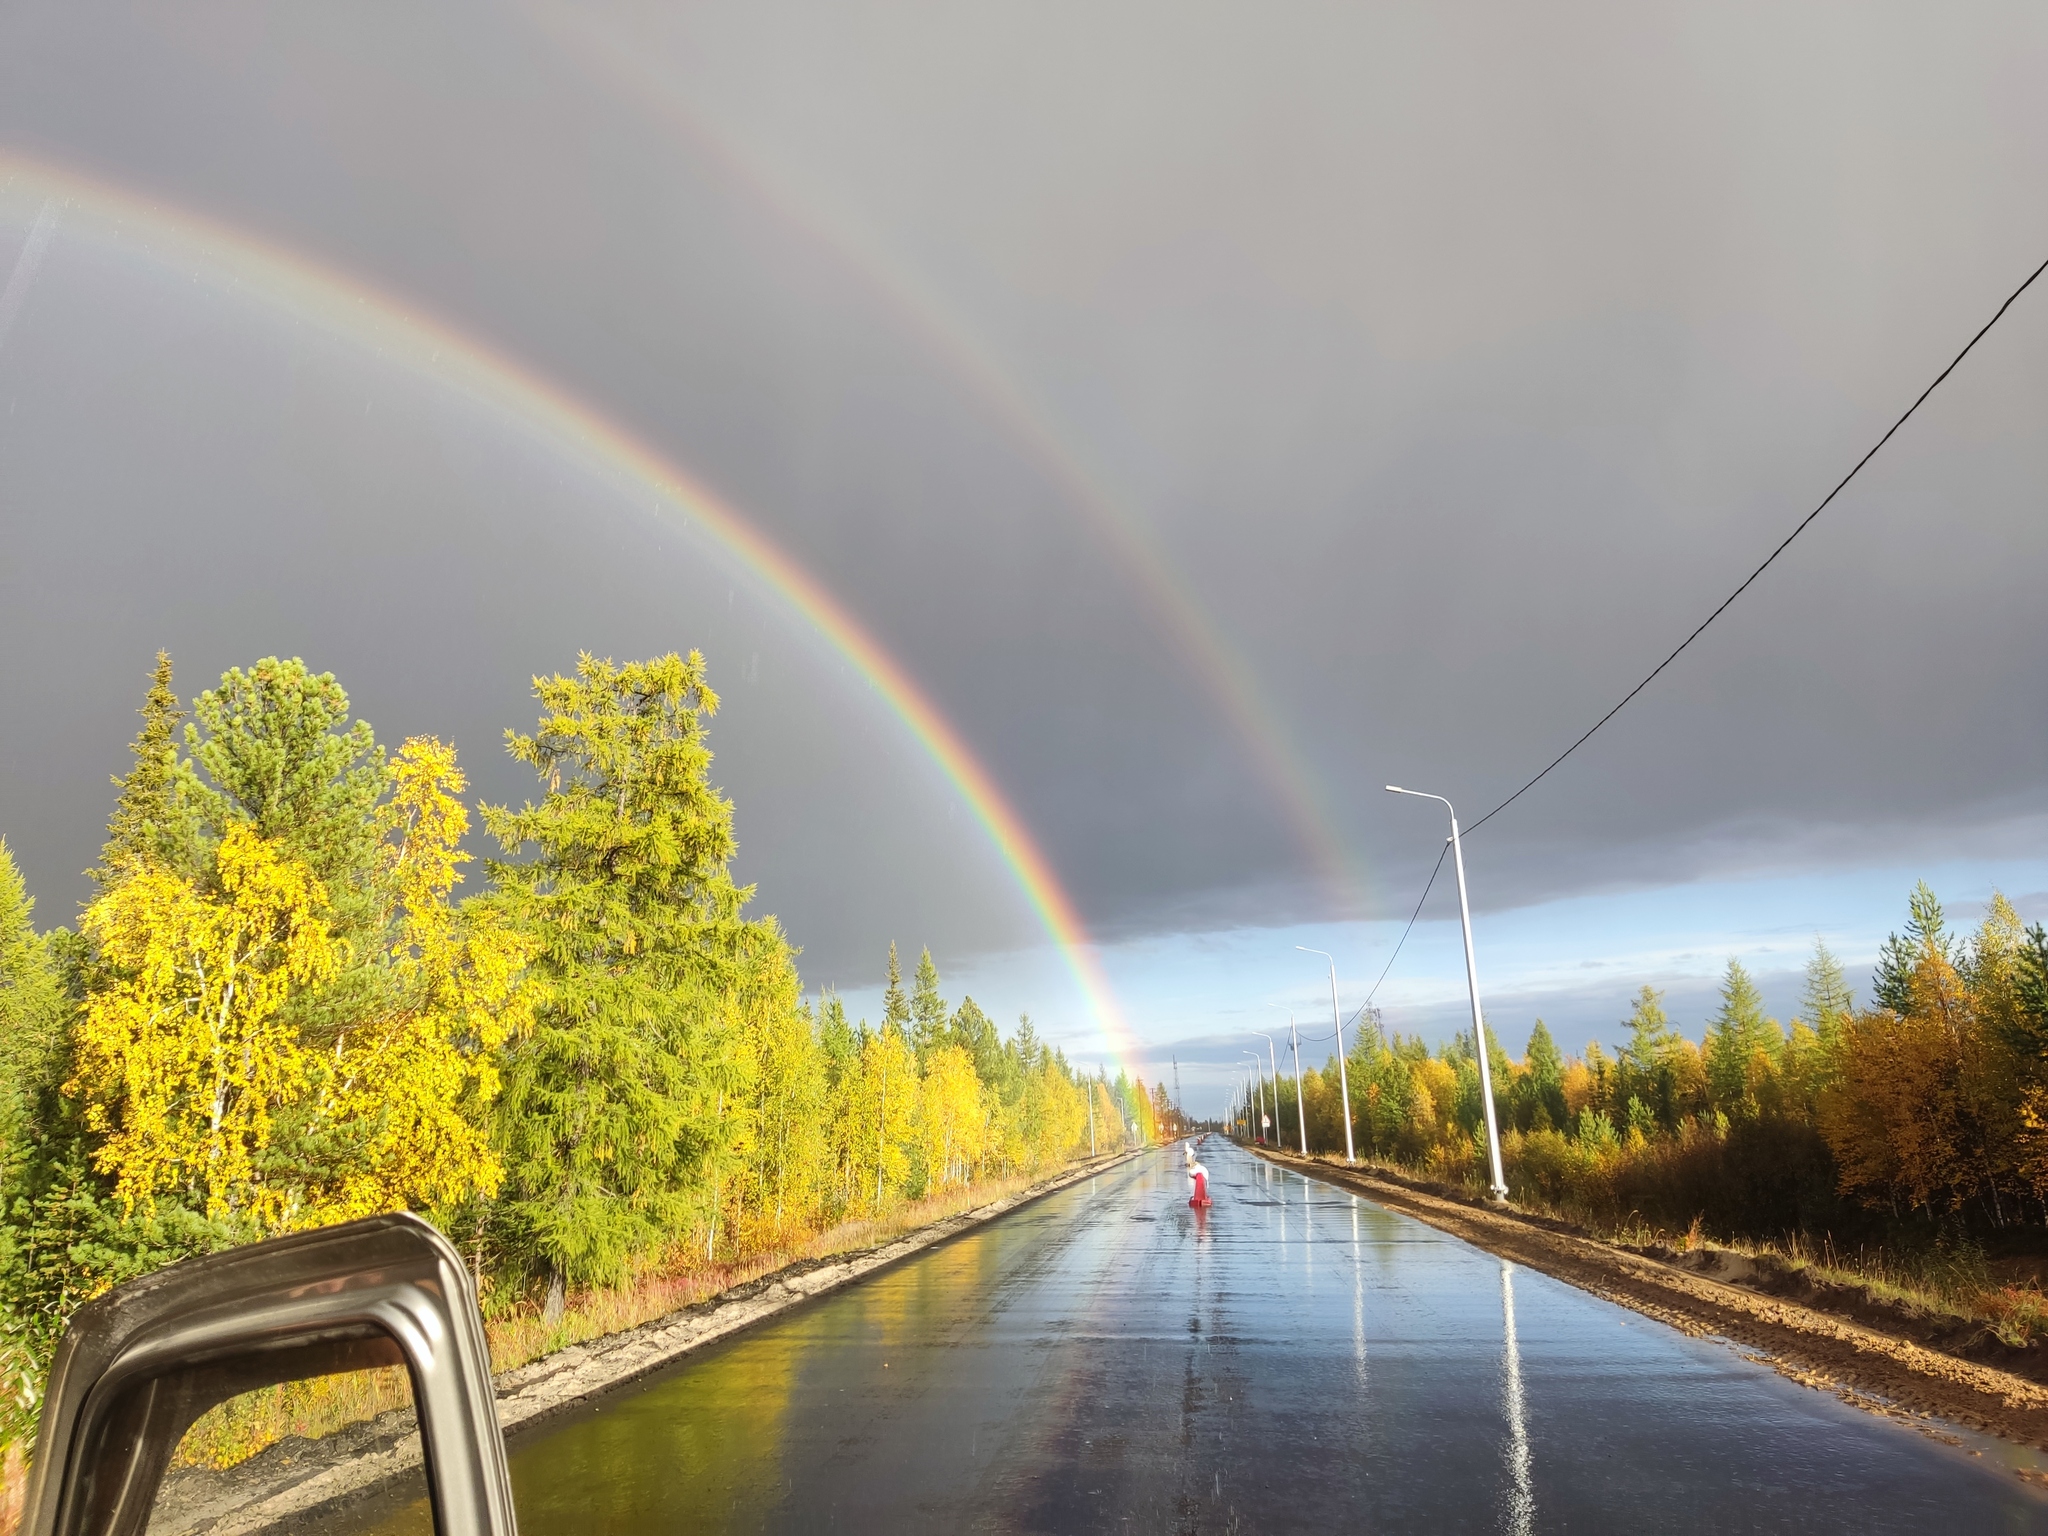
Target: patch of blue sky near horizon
<point x="1198" y="998"/>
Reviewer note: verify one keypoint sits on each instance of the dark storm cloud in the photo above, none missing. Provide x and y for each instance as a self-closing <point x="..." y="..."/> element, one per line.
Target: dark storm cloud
<point x="1456" y="359"/>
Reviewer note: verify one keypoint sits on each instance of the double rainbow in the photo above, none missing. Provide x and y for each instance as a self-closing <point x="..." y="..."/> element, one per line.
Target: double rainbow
<point x="142" y="229"/>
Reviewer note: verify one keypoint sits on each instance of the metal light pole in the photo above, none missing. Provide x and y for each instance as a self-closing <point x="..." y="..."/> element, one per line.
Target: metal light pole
<point x="1343" y="1077"/>
<point x="1273" y="1061"/>
<point x="1260" y="1092"/>
<point x="1300" y="1103"/>
<point x="1500" y="1185"/>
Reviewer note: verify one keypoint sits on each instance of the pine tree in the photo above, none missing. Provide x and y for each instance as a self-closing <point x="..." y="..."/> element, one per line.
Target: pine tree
<point x="927" y="1009"/>
<point x="146" y="825"/>
<point x="626" y="894"/>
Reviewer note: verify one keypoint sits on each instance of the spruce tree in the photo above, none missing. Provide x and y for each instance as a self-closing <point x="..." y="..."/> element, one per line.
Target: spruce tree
<point x="1891" y="984"/>
<point x="1545" y="1078"/>
<point x="146" y="826"/>
<point x="895" y="1007"/>
<point x="1737" y="1034"/>
<point x="976" y="1033"/>
<point x="274" y="747"/>
<point x="927" y="1010"/>
<point x="624" y="888"/>
<point x="1926" y="933"/>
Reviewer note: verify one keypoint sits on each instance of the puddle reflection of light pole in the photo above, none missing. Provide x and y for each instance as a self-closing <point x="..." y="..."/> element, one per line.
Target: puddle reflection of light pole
<point x="1521" y="1509"/>
<point x="1357" y="1298"/>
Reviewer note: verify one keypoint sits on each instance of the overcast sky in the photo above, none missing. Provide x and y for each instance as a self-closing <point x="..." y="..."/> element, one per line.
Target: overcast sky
<point x="1219" y="411"/>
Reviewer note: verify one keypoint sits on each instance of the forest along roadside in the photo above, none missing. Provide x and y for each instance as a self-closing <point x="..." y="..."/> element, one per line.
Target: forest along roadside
<point x="300" y="1479"/>
<point x="1869" y="1367"/>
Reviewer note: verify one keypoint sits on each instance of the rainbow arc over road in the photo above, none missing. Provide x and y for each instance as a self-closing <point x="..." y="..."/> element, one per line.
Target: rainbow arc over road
<point x="140" y="228"/>
<point x="1035" y="431"/>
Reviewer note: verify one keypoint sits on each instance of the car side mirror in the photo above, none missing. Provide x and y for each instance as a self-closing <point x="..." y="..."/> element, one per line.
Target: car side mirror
<point x="137" y="1366"/>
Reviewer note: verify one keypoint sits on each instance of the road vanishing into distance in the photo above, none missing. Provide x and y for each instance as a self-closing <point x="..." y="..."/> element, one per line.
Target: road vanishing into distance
<point x="1294" y="1359"/>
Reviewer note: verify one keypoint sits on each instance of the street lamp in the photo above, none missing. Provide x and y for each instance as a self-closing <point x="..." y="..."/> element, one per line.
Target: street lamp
<point x="1343" y="1077"/>
<point x="1259" y="1092"/>
<point x="1500" y="1186"/>
<point x="1273" y="1061"/>
<point x="1300" y="1103"/>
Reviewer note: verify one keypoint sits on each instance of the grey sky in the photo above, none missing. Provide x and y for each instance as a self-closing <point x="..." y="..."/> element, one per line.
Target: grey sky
<point x="1454" y="360"/>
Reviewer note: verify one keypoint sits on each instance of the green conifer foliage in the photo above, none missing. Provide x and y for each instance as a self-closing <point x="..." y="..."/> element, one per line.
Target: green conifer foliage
<point x="1742" y="1045"/>
<point x="1542" y="1086"/>
<point x="1827" y="1002"/>
<point x="626" y="891"/>
<point x="895" y="1007"/>
<point x="927" y="1009"/>
<point x="274" y="747"/>
<point x="31" y="1005"/>
<point x="149" y="824"/>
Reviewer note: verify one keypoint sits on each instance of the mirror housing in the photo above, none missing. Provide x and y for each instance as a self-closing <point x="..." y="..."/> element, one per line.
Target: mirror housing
<point x="137" y="1366"/>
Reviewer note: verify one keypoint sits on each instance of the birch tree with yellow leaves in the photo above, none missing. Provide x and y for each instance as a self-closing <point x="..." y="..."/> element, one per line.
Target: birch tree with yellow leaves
<point x="201" y="1077"/>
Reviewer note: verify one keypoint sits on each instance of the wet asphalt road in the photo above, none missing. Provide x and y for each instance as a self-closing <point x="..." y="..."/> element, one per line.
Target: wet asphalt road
<point x="1295" y="1359"/>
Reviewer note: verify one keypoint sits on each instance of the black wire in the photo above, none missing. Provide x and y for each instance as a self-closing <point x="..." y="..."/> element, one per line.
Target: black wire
<point x="1782" y="547"/>
<point x="1426" y="889"/>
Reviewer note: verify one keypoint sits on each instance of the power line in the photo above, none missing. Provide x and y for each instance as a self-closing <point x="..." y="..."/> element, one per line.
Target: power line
<point x="1785" y="544"/>
<point x="1426" y="889"/>
<point x="1782" y="547"/>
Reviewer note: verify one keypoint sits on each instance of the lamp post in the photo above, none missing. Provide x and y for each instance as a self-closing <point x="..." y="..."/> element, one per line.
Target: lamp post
<point x="1500" y="1186"/>
<point x="1300" y="1103"/>
<point x="1273" y="1061"/>
<point x="1343" y="1077"/>
<point x="1259" y="1094"/>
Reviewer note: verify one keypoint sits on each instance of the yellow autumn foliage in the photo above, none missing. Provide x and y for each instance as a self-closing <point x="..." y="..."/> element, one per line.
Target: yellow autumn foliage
<point x="188" y="1064"/>
<point x="182" y="1061"/>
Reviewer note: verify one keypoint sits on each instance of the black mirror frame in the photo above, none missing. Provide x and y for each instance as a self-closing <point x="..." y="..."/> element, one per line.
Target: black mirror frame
<point x="137" y="1366"/>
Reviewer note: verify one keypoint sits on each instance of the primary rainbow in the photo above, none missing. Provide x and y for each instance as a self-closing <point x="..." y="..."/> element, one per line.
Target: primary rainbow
<point x="140" y="227"/>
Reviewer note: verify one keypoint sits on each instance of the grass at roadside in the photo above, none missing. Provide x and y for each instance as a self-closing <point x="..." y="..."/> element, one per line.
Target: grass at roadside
<point x="239" y="1428"/>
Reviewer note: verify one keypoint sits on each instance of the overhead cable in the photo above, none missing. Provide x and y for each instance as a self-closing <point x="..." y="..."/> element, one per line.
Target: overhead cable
<point x="1804" y="522"/>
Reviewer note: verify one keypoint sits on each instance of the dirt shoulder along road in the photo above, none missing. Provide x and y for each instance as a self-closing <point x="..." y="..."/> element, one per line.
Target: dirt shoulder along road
<point x="1871" y="1367"/>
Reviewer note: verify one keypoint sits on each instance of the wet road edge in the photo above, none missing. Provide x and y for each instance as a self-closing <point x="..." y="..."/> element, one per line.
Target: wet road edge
<point x="300" y="1480"/>
<point x="1864" y="1367"/>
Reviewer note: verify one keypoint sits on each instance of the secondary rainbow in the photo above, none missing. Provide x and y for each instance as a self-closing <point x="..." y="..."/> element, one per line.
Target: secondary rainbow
<point x="142" y="228"/>
<point x="1032" y="429"/>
